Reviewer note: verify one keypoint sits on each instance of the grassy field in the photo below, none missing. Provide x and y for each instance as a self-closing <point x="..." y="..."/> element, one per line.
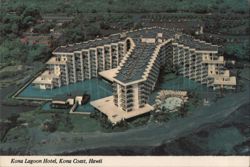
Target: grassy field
<point x="66" y="121"/>
<point x="18" y="74"/>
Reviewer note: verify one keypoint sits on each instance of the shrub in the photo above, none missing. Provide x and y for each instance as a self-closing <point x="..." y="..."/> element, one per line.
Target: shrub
<point x="13" y="118"/>
<point x="49" y="126"/>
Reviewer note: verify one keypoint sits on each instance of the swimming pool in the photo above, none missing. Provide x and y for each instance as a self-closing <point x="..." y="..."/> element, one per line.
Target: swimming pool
<point x="172" y="103"/>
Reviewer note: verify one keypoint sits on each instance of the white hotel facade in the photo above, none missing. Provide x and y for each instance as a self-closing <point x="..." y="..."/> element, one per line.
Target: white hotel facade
<point x="131" y="61"/>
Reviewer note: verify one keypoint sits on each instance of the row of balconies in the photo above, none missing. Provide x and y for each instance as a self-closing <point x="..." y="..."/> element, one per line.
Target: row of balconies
<point x="78" y="67"/>
<point x="86" y="75"/>
<point x="100" y="65"/>
<point x="126" y="106"/>
<point x="72" y="77"/>
<point x="143" y="96"/>
<point x="80" y="78"/>
<point x="93" y="65"/>
<point x="107" y="57"/>
<point x="94" y="72"/>
<point x="143" y="89"/>
<point x="79" y="75"/>
<point x="107" y="63"/>
<point x="100" y="69"/>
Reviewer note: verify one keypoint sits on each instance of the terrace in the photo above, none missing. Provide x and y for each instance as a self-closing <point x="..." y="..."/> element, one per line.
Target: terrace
<point x="137" y="63"/>
<point x="89" y="44"/>
<point x="116" y="114"/>
<point x="196" y="44"/>
<point x="109" y="74"/>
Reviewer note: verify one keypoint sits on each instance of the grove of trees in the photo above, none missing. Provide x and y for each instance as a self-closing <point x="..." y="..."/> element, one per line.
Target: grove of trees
<point x="12" y="25"/>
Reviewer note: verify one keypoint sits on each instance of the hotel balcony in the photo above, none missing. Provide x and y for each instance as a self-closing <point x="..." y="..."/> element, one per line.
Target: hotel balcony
<point x="220" y="60"/>
<point x="129" y="107"/>
<point x="129" y="95"/>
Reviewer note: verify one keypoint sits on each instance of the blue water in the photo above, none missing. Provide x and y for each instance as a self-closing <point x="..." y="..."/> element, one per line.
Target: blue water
<point x="95" y="87"/>
<point x="84" y="108"/>
<point x="185" y="84"/>
<point x="182" y="83"/>
<point x="46" y="106"/>
<point x="98" y="89"/>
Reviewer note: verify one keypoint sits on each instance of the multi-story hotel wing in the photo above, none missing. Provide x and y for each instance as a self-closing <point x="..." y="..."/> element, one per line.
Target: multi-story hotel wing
<point x="131" y="61"/>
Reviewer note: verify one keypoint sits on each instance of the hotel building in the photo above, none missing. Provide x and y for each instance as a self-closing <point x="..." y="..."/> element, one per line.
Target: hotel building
<point x="131" y="61"/>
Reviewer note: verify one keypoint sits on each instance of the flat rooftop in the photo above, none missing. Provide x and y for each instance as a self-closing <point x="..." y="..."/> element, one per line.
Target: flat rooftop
<point x="151" y="32"/>
<point x="115" y="114"/>
<point x="54" y="60"/>
<point x="109" y="74"/>
<point x="89" y="44"/>
<point x="45" y="77"/>
<point x="189" y="41"/>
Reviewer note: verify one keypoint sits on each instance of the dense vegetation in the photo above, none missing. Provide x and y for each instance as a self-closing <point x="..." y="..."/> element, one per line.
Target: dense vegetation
<point x="101" y="17"/>
<point x="238" y="51"/>
<point x="81" y="29"/>
<point x="13" y="24"/>
<point x="130" y="6"/>
<point x="14" y="52"/>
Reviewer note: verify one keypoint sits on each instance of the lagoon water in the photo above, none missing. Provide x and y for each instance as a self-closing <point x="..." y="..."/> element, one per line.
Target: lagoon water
<point x="97" y="89"/>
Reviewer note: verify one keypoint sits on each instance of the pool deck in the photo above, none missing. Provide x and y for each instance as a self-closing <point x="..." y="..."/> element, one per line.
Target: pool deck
<point x="109" y="74"/>
<point x="115" y="114"/>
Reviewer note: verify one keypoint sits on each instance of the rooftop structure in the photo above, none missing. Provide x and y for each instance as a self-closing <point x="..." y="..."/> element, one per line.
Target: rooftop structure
<point x="131" y="61"/>
<point x="136" y="64"/>
<point x="196" y="44"/>
<point x="88" y="44"/>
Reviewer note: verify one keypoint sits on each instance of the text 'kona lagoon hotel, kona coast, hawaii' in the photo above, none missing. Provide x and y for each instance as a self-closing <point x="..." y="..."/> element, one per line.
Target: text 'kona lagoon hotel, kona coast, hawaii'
<point x="131" y="61"/>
